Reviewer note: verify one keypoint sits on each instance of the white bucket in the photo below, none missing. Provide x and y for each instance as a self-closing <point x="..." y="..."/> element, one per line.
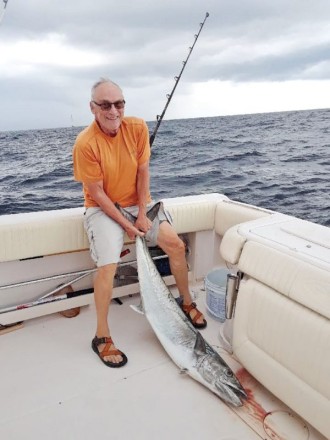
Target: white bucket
<point x="215" y="287"/>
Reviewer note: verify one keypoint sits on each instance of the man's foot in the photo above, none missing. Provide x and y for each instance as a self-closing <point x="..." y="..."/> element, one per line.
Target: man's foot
<point x="194" y="315"/>
<point x="108" y="353"/>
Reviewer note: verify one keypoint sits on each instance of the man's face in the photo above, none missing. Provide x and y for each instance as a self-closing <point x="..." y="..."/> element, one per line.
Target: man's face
<point x="109" y="119"/>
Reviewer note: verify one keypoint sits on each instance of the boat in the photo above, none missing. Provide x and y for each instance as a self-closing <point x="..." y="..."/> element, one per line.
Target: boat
<point x="275" y="335"/>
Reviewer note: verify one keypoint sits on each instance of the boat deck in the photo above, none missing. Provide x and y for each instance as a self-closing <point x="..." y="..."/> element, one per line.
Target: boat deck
<point x="53" y="386"/>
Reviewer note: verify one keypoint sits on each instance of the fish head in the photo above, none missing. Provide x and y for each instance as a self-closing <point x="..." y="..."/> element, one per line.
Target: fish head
<point x="217" y="374"/>
<point x="221" y="379"/>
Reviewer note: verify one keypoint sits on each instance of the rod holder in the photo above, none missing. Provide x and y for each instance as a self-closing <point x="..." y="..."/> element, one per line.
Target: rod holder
<point x="231" y="294"/>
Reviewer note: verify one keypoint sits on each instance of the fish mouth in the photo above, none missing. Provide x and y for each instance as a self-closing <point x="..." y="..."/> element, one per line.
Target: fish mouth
<point x="231" y="393"/>
<point x="241" y="394"/>
<point x="230" y="389"/>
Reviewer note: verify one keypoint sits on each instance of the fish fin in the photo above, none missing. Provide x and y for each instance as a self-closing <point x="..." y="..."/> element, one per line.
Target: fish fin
<point x="153" y="212"/>
<point x="200" y="345"/>
<point x="184" y="370"/>
<point x="138" y="309"/>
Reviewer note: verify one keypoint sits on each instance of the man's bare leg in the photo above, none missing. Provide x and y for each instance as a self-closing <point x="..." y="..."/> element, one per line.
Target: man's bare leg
<point x="174" y="247"/>
<point x="103" y="286"/>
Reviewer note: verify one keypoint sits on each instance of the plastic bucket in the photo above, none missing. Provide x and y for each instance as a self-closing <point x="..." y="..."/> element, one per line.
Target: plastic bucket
<point x="215" y="287"/>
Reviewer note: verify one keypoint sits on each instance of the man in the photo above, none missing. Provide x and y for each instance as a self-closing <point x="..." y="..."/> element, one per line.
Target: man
<point x="111" y="159"/>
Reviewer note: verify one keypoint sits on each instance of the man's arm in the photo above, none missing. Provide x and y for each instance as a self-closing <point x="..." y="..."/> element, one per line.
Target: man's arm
<point x="143" y="190"/>
<point x="95" y="189"/>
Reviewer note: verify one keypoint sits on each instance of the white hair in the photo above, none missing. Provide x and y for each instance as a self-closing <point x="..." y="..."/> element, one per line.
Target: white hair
<point x="103" y="81"/>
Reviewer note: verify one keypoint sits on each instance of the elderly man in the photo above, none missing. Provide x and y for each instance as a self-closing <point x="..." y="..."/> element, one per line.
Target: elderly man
<point x="111" y="159"/>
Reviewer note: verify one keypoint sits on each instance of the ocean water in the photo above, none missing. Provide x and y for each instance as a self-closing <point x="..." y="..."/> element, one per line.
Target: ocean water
<point x="280" y="161"/>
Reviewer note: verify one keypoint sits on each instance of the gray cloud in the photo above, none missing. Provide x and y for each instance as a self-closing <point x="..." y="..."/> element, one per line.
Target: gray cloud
<point x="141" y="45"/>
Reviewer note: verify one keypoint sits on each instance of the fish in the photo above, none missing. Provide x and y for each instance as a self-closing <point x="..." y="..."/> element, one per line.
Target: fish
<point x="181" y="340"/>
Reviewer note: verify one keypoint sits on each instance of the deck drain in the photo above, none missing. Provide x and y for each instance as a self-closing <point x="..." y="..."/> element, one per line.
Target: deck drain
<point x="282" y="425"/>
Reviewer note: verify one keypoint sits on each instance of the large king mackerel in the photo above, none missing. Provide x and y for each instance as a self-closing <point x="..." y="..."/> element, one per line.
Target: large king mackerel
<point x="183" y="343"/>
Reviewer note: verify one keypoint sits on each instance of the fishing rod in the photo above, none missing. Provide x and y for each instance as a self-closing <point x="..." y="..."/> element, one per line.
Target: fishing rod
<point x="177" y="79"/>
<point x="52" y="297"/>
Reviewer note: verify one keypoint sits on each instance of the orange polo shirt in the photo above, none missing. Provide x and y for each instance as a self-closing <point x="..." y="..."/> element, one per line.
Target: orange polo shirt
<point x="114" y="160"/>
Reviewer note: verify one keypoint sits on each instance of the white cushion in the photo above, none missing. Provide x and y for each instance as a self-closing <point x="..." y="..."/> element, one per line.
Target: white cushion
<point x="285" y="346"/>
<point x="59" y="231"/>
<point x="230" y="213"/>
<point x="193" y="213"/>
<point x="303" y="282"/>
<point x="44" y="233"/>
<point x="231" y="245"/>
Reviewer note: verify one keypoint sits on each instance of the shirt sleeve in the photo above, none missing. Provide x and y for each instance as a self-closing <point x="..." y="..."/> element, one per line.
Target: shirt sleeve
<point x="143" y="146"/>
<point x="86" y="165"/>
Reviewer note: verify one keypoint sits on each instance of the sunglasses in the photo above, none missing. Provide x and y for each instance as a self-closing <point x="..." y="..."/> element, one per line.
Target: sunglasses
<point x="105" y="106"/>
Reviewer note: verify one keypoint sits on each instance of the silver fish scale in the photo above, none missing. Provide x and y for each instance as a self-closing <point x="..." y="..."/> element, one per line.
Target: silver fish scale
<point x="165" y="316"/>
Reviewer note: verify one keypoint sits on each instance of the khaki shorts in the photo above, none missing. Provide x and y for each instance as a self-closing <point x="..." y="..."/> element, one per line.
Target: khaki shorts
<point x="106" y="237"/>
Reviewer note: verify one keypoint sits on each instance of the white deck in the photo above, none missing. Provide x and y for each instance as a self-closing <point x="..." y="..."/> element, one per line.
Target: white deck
<point x="54" y="387"/>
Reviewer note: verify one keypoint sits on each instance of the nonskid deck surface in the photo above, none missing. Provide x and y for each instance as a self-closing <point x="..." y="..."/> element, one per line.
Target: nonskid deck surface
<point x="53" y="386"/>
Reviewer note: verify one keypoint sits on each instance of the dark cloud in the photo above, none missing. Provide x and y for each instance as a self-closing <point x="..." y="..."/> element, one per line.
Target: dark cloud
<point x="304" y="63"/>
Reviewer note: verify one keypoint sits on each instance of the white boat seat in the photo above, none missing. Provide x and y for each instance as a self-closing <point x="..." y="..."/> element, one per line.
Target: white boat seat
<point x="230" y="213"/>
<point x="31" y="235"/>
<point x="285" y="346"/>
<point x="281" y="326"/>
<point x="288" y="275"/>
<point x="196" y="215"/>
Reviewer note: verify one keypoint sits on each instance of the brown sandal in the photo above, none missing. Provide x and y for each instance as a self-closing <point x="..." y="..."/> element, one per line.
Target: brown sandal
<point x="107" y="352"/>
<point x="187" y="309"/>
<point x="69" y="313"/>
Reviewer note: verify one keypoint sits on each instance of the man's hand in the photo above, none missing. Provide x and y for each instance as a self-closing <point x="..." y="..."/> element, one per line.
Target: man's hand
<point x="143" y="223"/>
<point x="132" y="231"/>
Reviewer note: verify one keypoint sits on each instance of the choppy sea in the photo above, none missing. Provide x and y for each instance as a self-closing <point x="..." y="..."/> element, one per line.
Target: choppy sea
<point x="280" y="161"/>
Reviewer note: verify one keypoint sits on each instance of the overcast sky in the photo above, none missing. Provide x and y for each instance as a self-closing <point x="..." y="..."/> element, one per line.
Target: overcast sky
<point x="251" y="56"/>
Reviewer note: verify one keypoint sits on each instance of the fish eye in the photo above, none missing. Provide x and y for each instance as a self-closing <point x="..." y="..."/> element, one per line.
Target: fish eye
<point x="229" y="373"/>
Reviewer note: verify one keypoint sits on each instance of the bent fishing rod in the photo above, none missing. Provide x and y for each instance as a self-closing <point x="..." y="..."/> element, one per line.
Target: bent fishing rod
<point x="177" y="79"/>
